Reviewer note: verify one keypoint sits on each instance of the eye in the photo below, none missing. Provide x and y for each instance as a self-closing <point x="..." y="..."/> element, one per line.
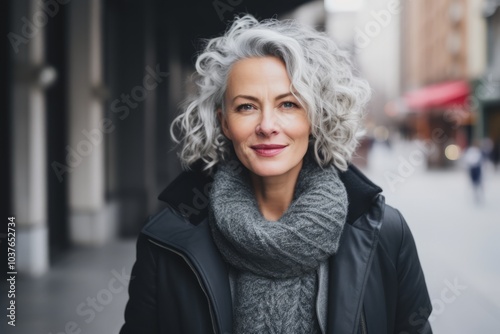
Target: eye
<point x="244" y="107"/>
<point x="289" y="105"/>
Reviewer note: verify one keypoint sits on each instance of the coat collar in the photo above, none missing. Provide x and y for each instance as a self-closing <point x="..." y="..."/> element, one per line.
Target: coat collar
<point x="187" y="196"/>
<point x="188" y="193"/>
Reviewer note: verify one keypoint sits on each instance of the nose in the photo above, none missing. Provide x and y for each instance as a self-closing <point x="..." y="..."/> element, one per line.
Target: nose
<point x="268" y="124"/>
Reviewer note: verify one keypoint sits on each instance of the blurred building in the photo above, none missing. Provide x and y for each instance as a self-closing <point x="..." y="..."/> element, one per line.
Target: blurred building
<point x="371" y="31"/>
<point x="91" y="89"/>
<point x="443" y="52"/>
<point x="434" y="42"/>
<point x="487" y="87"/>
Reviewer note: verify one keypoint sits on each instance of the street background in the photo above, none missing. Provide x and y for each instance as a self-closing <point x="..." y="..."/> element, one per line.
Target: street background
<point x="92" y="86"/>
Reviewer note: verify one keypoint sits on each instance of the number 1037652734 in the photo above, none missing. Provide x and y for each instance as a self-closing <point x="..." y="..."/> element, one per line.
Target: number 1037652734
<point x="11" y="242"/>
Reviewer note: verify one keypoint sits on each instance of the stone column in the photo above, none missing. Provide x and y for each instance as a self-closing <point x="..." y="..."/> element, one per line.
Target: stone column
<point x="29" y="163"/>
<point x="89" y="215"/>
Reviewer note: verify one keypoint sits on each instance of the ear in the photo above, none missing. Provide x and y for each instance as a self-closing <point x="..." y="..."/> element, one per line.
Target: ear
<point x="223" y="123"/>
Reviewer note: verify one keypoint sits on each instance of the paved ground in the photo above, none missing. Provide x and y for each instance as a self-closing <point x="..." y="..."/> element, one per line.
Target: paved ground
<point x="458" y="242"/>
<point x="85" y="293"/>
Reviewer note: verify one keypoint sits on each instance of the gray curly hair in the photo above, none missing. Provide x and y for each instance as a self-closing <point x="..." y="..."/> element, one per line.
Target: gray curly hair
<point x="320" y="73"/>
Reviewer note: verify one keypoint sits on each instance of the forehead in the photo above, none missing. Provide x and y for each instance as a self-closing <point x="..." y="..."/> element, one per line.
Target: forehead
<point x="257" y="74"/>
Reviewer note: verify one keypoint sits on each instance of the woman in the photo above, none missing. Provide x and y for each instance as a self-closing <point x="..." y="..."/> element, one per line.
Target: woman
<point x="270" y="229"/>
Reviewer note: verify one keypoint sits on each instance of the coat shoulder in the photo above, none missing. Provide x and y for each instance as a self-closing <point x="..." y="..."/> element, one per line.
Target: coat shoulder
<point x="392" y="232"/>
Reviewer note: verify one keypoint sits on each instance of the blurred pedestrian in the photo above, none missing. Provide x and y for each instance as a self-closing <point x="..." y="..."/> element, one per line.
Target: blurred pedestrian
<point x="495" y="153"/>
<point x="473" y="159"/>
<point x="270" y="229"/>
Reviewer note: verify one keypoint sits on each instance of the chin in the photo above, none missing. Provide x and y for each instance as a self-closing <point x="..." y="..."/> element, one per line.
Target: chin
<point x="271" y="168"/>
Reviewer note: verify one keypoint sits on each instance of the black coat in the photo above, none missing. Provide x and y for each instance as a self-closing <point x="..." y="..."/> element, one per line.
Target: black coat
<point x="180" y="282"/>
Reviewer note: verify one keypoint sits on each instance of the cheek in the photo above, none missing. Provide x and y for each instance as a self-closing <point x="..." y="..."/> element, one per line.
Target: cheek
<point x="240" y="128"/>
<point x="306" y="127"/>
<point x="299" y="128"/>
<point x="304" y="134"/>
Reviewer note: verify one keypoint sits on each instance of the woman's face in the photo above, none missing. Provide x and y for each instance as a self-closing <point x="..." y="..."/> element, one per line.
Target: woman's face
<point x="268" y="127"/>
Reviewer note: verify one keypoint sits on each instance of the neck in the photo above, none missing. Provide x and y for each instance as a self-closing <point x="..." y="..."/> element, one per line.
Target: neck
<point x="274" y="194"/>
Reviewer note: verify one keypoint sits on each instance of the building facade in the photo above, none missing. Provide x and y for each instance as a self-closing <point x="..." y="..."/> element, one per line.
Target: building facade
<point x="487" y="87"/>
<point x="443" y="53"/>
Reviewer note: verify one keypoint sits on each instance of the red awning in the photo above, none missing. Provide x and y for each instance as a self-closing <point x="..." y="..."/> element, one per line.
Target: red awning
<point x="443" y="95"/>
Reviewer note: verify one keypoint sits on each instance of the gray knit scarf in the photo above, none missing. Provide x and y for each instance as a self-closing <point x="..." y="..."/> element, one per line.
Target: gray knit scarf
<point x="274" y="264"/>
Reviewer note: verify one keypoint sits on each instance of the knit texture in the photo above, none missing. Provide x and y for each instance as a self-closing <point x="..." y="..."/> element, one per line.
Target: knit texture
<point x="274" y="264"/>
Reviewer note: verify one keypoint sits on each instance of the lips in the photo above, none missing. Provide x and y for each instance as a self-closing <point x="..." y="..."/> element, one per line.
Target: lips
<point x="268" y="150"/>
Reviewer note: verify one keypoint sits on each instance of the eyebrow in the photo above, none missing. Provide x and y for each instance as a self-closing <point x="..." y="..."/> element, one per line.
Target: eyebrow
<point x="253" y="98"/>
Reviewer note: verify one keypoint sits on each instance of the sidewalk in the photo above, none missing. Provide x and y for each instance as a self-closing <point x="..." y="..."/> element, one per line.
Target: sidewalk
<point x="86" y="291"/>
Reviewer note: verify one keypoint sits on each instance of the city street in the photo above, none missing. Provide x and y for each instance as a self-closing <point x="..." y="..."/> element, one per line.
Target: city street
<point x="106" y="102"/>
<point x="458" y="240"/>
